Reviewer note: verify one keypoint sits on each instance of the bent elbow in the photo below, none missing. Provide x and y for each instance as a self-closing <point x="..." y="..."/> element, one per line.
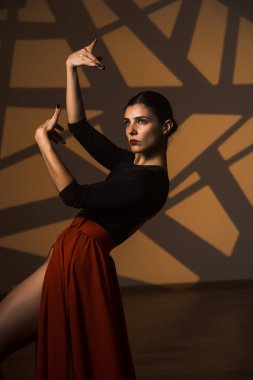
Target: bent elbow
<point x="68" y="202"/>
<point x="73" y="195"/>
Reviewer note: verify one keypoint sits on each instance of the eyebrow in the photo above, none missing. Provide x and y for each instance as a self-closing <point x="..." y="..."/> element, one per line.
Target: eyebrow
<point x="138" y="117"/>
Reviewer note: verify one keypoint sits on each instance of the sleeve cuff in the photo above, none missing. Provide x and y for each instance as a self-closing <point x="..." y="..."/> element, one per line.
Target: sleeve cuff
<point x="64" y="193"/>
<point x="78" y="124"/>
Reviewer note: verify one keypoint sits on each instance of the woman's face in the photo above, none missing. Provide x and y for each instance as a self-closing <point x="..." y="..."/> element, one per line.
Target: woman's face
<point x="142" y="125"/>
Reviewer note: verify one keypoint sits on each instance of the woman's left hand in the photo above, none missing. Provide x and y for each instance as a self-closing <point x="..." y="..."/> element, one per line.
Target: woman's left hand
<point x="48" y="129"/>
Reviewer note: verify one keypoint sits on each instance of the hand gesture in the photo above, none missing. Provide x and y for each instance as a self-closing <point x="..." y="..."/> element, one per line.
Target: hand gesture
<point x="85" y="57"/>
<point x="48" y="128"/>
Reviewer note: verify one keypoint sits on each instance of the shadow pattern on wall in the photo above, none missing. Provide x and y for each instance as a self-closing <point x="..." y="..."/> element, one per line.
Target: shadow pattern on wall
<point x="199" y="55"/>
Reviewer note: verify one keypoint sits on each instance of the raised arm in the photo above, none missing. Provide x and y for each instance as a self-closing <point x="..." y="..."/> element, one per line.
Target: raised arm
<point x="127" y="191"/>
<point x="74" y="101"/>
<point x="99" y="146"/>
<point x="44" y="134"/>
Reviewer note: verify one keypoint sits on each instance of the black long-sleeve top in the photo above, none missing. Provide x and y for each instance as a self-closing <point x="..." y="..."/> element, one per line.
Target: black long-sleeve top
<point x="129" y="195"/>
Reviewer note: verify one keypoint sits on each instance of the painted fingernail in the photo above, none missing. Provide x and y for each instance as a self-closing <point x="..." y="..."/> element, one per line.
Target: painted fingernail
<point x="58" y="106"/>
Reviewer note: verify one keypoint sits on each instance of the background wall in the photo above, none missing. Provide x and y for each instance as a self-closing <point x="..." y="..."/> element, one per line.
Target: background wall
<point x="197" y="53"/>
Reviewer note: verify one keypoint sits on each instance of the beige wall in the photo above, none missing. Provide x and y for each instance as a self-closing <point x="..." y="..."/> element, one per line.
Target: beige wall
<point x="197" y="53"/>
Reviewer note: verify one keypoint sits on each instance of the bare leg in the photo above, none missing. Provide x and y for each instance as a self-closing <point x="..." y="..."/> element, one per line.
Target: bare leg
<point x="19" y="312"/>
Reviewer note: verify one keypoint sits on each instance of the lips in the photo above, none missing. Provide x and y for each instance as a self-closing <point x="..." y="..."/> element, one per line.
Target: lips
<point x="134" y="141"/>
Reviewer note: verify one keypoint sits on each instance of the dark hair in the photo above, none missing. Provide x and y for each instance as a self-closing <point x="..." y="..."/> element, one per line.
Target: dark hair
<point x="158" y="104"/>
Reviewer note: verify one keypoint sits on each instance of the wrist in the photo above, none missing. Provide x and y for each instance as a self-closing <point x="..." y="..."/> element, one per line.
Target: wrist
<point x="70" y="66"/>
<point x="42" y="138"/>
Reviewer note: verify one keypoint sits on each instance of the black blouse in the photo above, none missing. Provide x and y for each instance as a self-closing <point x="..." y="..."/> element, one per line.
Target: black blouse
<point x="129" y="195"/>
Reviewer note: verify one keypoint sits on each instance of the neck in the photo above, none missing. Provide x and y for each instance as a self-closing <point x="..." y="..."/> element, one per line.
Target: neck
<point x="152" y="159"/>
<point x="153" y="156"/>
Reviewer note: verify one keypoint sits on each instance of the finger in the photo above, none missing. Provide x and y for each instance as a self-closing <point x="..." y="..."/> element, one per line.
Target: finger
<point x="58" y="126"/>
<point x="96" y="64"/>
<point x="92" y="45"/>
<point x="56" y="112"/>
<point x="90" y="63"/>
<point x="87" y="61"/>
<point x="90" y="60"/>
<point x="101" y="67"/>
<point x="53" y="138"/>
<point x="92" y="57"/>
<point x="97" y="60"/>
<point x="59" y="137"/>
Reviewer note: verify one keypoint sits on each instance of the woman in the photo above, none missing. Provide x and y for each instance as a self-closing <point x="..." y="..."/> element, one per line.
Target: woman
<point x="72" y="304"/>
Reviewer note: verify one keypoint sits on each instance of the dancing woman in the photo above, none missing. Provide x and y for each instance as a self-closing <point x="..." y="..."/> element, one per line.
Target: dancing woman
<point x="72" y="304"/>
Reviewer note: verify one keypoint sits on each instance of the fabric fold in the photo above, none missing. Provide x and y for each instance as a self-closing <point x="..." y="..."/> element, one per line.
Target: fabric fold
<point x="82" y="332"/>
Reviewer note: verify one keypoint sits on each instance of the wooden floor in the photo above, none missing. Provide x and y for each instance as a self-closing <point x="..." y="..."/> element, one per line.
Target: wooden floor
<point x="201" y="333"/>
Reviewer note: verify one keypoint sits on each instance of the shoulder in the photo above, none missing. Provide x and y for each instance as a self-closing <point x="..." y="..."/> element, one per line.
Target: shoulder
<point x="141" y="172"/>
<point x="151" y="179"/>
<point x="152" y="173"/>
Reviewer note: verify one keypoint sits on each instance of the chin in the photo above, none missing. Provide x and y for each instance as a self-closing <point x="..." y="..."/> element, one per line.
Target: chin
<point x="136" y="148"/>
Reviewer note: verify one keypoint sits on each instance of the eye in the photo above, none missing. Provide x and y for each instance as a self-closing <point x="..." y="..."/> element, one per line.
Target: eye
<point x="142" y="121"/>
<point x="125" y="122"/>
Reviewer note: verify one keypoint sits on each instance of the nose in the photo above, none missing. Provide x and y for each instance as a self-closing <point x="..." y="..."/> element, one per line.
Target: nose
<point x="132" y="129"/>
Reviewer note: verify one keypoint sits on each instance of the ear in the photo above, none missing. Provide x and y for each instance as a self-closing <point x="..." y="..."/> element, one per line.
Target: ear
<point x="167" y="126"/>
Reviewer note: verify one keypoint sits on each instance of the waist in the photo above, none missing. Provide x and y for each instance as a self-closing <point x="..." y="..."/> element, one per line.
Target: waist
<point x="95" y="230"/>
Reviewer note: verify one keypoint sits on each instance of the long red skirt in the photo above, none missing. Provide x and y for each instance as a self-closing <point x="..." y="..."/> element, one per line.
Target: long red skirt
<point x="82" y="332"/>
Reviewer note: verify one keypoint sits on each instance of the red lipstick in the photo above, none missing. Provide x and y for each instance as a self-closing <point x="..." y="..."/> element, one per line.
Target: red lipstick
<point x="133" y="142"/>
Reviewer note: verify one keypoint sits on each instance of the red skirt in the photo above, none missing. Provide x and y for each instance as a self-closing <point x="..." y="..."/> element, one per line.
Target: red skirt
<point x="82" y="332"/>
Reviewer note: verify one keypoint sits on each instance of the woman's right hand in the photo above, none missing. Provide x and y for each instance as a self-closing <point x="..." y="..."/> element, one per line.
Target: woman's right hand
<point x="84" y="57"/>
